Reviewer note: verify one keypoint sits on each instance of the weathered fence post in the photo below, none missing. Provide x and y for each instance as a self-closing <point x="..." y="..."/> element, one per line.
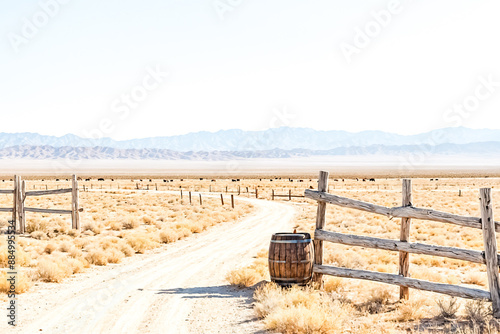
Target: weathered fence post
<point x="490" y="248"/>
<point x="190" y="202"/>
<point x="221" y="199"/>
<point x="320" y="223"/>
<point x="256" y="193"/>
<point x="289" y="194"/>
<point x="201" y="202"/>
<point x="75" y="214"/>
<point x="272" y="195"/>
<point x="14" y="204"/>
<point x="232" y="201"/>
<point x="20" y="204"/>
<point x="181" y="193"/>
<point x="404" y="257"/>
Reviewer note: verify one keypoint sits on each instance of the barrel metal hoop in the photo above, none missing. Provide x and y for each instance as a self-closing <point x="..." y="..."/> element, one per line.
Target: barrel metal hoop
<point x="301" y="261"/>
<point x="290" y="279"/>
<point x="290" y="241"/>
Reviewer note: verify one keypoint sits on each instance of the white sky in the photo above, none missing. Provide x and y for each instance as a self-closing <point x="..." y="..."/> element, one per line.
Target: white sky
<point x="266" y="64"/>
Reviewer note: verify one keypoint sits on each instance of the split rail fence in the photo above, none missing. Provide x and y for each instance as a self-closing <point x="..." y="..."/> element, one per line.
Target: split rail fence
<point x="407" y="212"/>
<point x="19" y="209"/>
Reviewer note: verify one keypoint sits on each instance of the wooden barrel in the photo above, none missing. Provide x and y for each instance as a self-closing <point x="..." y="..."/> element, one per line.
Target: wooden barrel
<point x="291" y="258"/>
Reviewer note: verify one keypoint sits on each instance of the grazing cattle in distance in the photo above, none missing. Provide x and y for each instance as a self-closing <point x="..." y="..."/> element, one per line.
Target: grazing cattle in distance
<point x="57" y="179"/>
<point x="335" y="180"/>
<point x="343" y="180"/>
<point x="150" y="180"/>
<point x="233" y="180"/>
<point x="201" y="179"/>
<point x="164" y="180"/>
<point x="364" y="180"/>
<point x="357" y="179"/>
<point x="301" y="180"/>
<point x="100" y="179"/>
<point x="311" y="187"/>
<point x="182" y="180"/>
<point x="238" y="180"/>
<point x="67" y="179"/>
<point x="87" y="179"/>
<point x="373" y="180"/>
<point x="112" y="180"/>
<point x="432" y="179"/>
<point x="213" y="180"/>
<point x="173" y="180"/>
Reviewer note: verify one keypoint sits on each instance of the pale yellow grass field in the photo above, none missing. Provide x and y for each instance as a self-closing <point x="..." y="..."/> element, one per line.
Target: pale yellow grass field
<point x="361" y="299"/>
<point x="114" y="225"/>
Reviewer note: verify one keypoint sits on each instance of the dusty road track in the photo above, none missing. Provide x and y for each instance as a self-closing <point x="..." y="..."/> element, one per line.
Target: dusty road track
<point x="179" y="288"/>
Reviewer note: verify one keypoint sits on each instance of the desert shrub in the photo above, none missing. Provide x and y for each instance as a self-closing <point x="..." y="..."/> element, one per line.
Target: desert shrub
<point x="377" y="301"/>
<point x="334" y="284"/>
<point x="50" y="247"/>
<point x="114" y="255"/>
<point x="168" y="235"/>
<point x="22" y="258"/>
<point x="96" y="256"/>
<point x="53" y="269"/>
<point x="299" y="310"/>
<point x="147" y="220"/>
<point x="73" y="233"/>
<point x="39" y="235"/>
<point x="22" y="283"/>
<point x="477" y="311"/>
<point x="66" y="246"/>
<point x="37" y="225"/>
<point x="184" y="232"/>
<point x="91" y="226"/>
<point x="141" y="242"/>
<point x="475" y="278"/>
<point x="243" y="277"/>
<point x="447" y="308"/>
<point x="410" y="310"/>
<point x="130" y="223"/>
<point x="115" y="226"/>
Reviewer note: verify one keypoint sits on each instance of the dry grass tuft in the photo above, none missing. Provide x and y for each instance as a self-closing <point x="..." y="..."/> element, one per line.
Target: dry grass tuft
<point x="243" y="278"/>
<point x="130" y="223"/>
<point x="141" y="242"/>
<point x="410" y="310"/>
<point x="91" y="226"/>
<point x="299" y="310"/>
<point x="478" y="311"/>
<point x="97" y="257"/>
<point x="168" y="235"/>
<point x="22" y="283"/>
<point x="53" y="269"/>
<point x="447" y="308"/>
<point x="334" y="284"/>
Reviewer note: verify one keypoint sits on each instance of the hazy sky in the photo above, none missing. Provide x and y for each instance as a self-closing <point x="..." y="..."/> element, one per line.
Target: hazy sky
<point x="129" y="69"/>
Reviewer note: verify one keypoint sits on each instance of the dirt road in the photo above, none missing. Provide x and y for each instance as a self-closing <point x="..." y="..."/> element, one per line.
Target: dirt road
<point x="179" y="288"/>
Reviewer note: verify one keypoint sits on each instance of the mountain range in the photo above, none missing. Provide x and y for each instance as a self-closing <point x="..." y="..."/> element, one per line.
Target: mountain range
<point x="282" y="142"/>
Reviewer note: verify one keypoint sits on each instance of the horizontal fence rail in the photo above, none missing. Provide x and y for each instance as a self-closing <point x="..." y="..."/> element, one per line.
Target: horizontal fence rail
<point x="407" y="212"/>
<point x="452" y="290"/>
<point x="398" y="212"/>
<point x="394" y="245"/>
<point x="48" y="192"/>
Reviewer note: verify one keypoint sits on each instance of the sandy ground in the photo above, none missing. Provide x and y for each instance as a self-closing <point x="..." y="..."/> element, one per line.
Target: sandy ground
<point x="179" y="288"/>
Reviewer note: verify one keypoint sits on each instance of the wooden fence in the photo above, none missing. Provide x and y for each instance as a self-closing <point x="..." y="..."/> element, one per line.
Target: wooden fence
<point x="407" y="212"/>
<point x="19" y="209"/>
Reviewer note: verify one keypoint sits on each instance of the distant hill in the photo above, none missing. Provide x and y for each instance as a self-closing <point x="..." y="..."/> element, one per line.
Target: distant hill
<point x="283" y="138"/>
<point x="486" y="149"/>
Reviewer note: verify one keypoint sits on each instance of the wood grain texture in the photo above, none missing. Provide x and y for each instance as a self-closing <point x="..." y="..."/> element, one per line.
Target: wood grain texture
<point x="320" y="223"/>
<point x="452" y="290"/>
<point x="48" y="192"/>
<point x="490" y="248"/>
<point x="398" y="212"/>
<point x="404" y="257"/>
<point x="394" y="245"/>
<point x="62" y="212"/>
<point x="75" y="205"/>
